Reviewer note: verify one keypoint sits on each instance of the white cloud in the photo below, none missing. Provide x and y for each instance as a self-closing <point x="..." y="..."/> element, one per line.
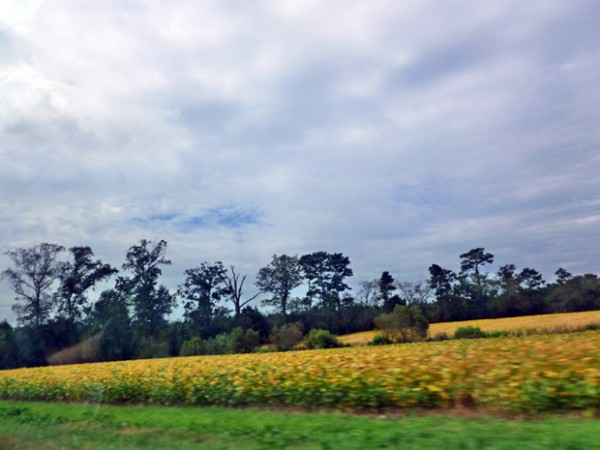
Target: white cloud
<point x="398" y="133"/>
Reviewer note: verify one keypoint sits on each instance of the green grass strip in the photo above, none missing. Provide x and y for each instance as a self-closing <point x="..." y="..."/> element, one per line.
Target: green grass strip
<point x="81" y="426"/>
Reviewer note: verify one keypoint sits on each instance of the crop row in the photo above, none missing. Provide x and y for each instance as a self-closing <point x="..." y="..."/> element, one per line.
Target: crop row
<point x="533" y="373"/>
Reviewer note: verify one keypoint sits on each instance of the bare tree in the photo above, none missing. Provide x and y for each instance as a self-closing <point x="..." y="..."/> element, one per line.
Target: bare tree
<point x="415" y="293"/>
<point x="234" y="289"/>
<point x="368" y="293"/>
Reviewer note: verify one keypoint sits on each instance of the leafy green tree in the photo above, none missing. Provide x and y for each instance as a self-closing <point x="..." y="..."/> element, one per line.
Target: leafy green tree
<point x="404" y="324"/>
<point x="76" y="278"/>
<point x="280" y="278"/>
<point x="519" y="293"/>
<point x="111" y="315"/>
<point x="34" y="271"/>
<point x="508" y="295"/>
<point x="326" y="274"/>
<point x="475" y="280"/>
<point x="387" y="286"/>
<point x="562" y="275"/>
<point x="151" y="304"/>
<point x="448" y="300"/>
<point x="578" y="293"/>
<point x="202" y="290"/>
<point x="315" y="269"/>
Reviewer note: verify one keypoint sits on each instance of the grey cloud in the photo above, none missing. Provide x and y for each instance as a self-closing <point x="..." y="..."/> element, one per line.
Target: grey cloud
<point x="399" y="134"/>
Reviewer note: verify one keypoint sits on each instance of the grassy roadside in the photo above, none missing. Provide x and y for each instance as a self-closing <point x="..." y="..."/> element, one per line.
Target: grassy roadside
<point x="34" y="425"/>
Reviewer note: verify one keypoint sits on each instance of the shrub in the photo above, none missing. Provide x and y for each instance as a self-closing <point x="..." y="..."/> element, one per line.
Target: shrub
<point x="152" y="349"/>
<point x="218" y="345"/>
<point x="440" y="336"/>
<point x="469" y="333"/>
<point x="381" y="339"/>
<point x="241" y="341"/>
<point x="192" y="347"/>
<point x="317" y="338"/>
<point x="404" y="324"/>
<point x="287" y="336"/>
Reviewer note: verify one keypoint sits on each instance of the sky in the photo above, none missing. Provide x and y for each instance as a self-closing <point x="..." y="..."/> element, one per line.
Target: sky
<point x="399" y="133"/>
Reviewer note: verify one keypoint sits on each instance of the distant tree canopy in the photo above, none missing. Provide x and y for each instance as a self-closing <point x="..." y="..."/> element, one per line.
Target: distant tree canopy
<point x="202" y="290"/>
<point x="55" y="307"/>
<point x="151" y="302"/>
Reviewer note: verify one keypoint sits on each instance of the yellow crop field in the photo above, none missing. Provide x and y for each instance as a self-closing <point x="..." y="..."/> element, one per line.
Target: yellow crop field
<point x="531" y="373"/>
<point x="550" y="322"/>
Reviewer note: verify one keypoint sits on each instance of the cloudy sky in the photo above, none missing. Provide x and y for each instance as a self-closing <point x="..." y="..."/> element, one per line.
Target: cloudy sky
<point x="400" y="133"/>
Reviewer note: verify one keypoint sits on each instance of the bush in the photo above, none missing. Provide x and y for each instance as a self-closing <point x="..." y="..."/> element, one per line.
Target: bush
<point x="404" y="324"/>
<point x="192" y="347"/>
<point x="152" y="349"/>
<point x="381" y="339"/>
<point x="241" y="341"/>
<point x="440" y="336"/>
<point x="218" y="345"/>
<point x="469" y="333"/>
<point x="317" y="338"/>
<point x="287" y="336"/>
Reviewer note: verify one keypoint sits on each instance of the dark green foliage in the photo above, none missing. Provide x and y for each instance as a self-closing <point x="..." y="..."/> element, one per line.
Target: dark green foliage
<point x="404" y="324"/>
<point x="279" y="278"/>
<point x="243" y="341"/>
<point x="111" y="315"/>
<point x="76" y="278"/>
<point x="201" y="292"/>
<point x="469" y="333"/>
<point x="218" y="345"/>
<point x="579" y="293"/>
<point x="317" y="338"/>
<point x="9" y="353"/>
<point x="192" y="347"/>
<point x="381" y="339"/>
<point x="151" y="304"/>
<point x="116" y="343"/>
<point x="449" y="305"/>
<point x="29" y="342"/>
<point x="325" y="274"/>
<point x="474" y="281"/>
<point x="287" y="336"/>
<point x="238" y="341"/>
<point x="252" y="318"/>
<point x="386" y="286"/>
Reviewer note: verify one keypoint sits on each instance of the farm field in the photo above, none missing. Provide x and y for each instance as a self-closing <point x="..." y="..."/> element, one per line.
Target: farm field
<point x="545" y="322"/>
<point x="34" y="425"/>
<point x="511" y="374"/>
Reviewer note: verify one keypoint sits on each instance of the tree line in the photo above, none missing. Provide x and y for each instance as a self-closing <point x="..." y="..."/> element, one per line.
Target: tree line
<point x="54" y="309"/>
